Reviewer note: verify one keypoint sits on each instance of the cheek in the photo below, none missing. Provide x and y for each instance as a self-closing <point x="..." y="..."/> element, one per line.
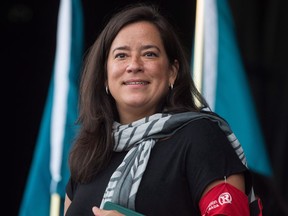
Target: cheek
<point x="111" y="67"/>
<point x="113" y="72"/>
<point x="163" y="76"/>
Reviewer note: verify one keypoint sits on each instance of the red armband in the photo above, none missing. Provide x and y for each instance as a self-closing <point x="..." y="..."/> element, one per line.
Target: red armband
<point x="224" y="199"/>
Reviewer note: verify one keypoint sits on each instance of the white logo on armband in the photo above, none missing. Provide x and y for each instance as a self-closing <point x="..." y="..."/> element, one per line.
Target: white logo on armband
<point x="225" y="198"/>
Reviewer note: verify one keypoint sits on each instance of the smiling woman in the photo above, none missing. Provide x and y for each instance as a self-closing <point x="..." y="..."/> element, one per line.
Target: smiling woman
<point x="143" y="139"/>
<point x="139" y="74"/>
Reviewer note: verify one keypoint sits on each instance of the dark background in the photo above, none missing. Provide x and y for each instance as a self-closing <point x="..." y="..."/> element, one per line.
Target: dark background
<point x="28" y="35"/>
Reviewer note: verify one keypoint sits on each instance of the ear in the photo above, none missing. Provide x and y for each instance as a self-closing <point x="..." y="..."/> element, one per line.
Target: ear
<point x="174" y="72"/>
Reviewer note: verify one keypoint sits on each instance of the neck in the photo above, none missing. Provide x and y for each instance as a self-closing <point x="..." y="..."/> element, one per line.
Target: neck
<point x="128" y="117"/>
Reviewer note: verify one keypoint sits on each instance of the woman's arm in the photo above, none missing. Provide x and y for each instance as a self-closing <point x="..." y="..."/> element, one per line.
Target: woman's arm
<point x="236" y="180"/>
<point x="225" y="197"/>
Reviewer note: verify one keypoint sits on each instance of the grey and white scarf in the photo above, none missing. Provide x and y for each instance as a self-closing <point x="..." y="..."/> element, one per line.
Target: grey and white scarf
<point x="138" y="138"/>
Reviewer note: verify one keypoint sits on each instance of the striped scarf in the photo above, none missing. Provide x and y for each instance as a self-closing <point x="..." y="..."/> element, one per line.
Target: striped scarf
<point x="138" y="138"/>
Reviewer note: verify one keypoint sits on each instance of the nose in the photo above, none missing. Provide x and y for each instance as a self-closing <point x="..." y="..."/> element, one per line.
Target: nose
<point x="135" y="65"/>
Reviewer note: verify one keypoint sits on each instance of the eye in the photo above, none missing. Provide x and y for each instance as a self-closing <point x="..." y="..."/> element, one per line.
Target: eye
<point x="151" y="54"/>
<point x="120" y="55"/>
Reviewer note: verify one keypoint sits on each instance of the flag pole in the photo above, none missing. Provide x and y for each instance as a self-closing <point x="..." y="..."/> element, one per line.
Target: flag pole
<point x="60" y="101"/>
<point x="198" y="45"/>
<point x="55" y="204"/>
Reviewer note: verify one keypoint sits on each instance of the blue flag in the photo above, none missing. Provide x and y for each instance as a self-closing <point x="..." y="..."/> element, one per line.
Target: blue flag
<point x="225" y="85"/>
<point x="49" y="170"/>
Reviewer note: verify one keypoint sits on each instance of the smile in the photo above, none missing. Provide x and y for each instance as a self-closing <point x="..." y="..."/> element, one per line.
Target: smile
<point x="136" y="83"/>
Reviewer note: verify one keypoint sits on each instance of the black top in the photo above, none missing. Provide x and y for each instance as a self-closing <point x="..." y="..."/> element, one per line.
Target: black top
<point x="178" y="171"/>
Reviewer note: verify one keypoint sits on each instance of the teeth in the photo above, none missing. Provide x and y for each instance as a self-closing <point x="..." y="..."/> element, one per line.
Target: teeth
<point x="135" y="83"/>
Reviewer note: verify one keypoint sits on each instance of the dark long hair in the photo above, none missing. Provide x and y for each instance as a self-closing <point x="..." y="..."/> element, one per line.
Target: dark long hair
<point x="97" y="110"/>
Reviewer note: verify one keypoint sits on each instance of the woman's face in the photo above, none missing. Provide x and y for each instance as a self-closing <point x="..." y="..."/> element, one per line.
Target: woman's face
<point x="138" y="70"/>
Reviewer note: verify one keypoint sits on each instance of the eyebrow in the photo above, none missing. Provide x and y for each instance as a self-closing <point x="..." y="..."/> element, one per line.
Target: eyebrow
<point x="120" y="48"/>
<point x="142" y="48"/>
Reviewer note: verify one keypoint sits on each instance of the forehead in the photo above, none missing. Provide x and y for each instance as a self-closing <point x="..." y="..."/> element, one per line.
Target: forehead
<point x="140" y="31"/>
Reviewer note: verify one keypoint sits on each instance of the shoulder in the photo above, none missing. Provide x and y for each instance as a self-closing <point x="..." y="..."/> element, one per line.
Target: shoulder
<point x="203" y="138"/>
<point x="71" y="187"/>
<point x="204" y="121"/>
<point x="203" y="130"/>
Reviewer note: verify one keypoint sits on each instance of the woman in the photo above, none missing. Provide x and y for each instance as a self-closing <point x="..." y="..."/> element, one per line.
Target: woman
<point x="144" y="143"/>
